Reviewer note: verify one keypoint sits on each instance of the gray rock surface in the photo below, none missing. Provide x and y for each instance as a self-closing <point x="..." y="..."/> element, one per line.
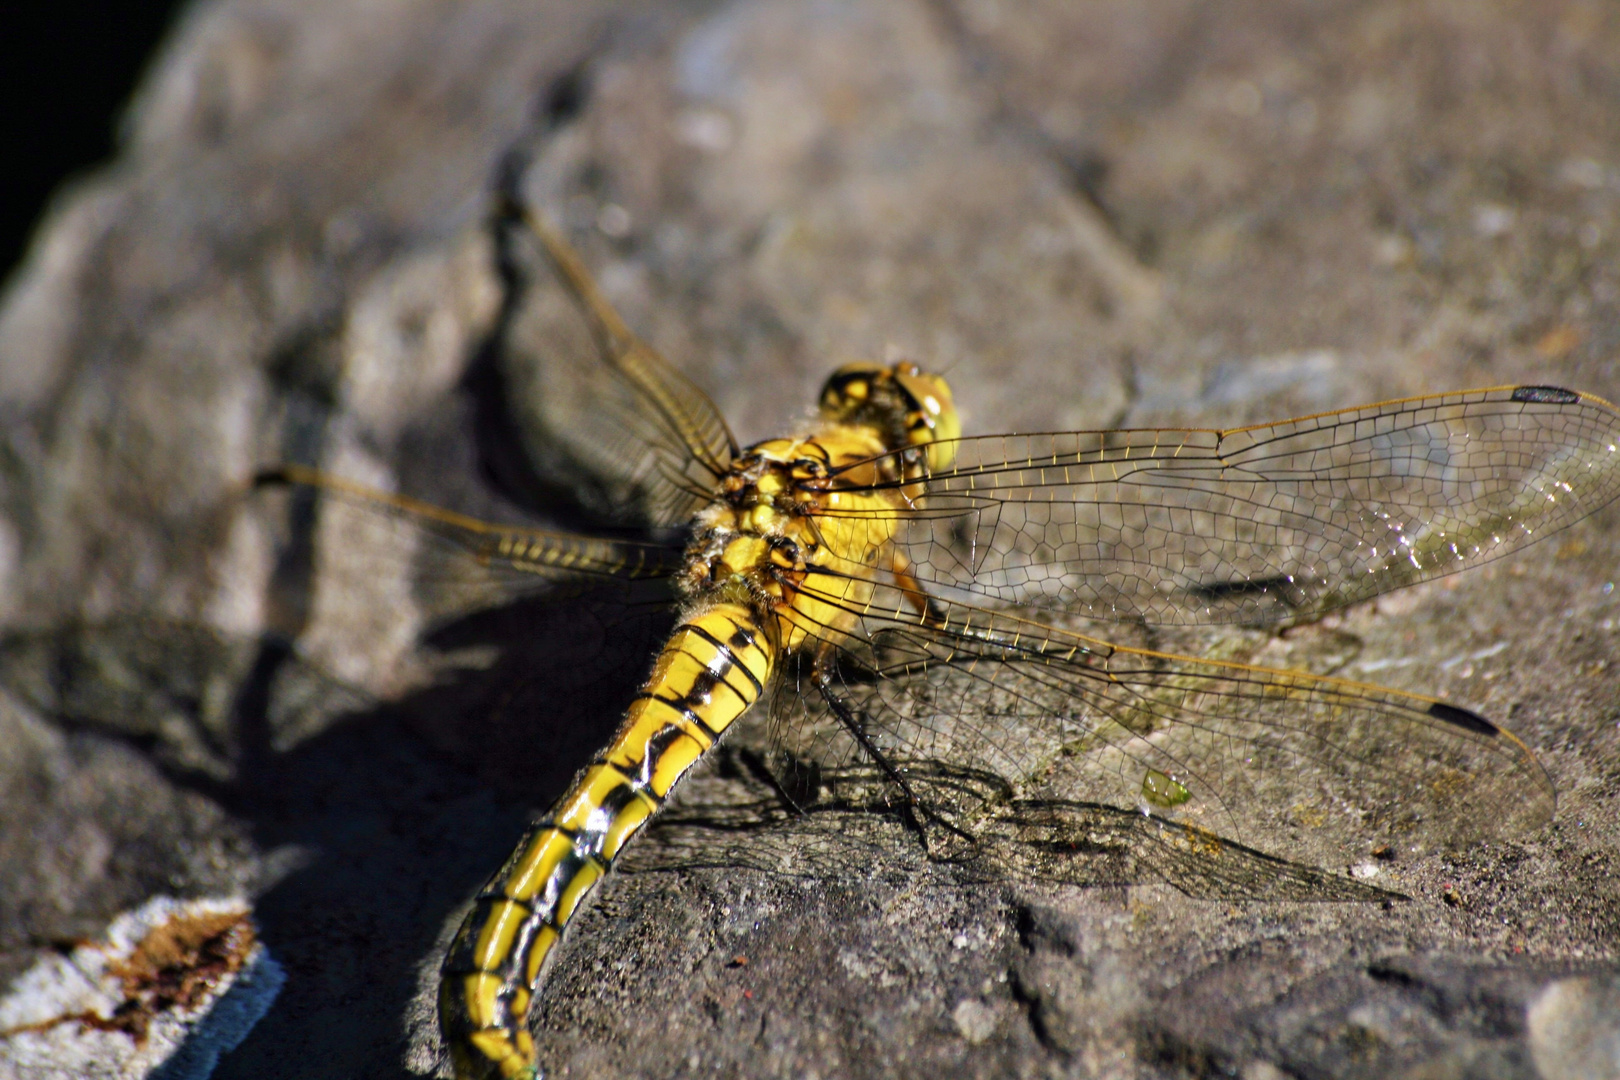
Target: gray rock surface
<point x="1087" y="214"/>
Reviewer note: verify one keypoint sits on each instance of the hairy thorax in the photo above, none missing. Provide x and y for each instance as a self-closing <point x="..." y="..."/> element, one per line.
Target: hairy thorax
<point x="785" y="534"/>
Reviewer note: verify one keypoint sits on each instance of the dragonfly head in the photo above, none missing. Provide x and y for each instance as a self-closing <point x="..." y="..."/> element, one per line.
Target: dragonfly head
<point x="909" y="406"/>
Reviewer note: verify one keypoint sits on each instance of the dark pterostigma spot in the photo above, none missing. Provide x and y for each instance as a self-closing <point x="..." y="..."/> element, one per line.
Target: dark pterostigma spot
<point x="276" y="477"/>
<point x="1468" y="721"/>
<point x="1545" y="395"/>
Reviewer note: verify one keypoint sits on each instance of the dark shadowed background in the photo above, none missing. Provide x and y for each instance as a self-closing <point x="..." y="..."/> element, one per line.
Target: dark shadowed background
<point x="65" y="72"/>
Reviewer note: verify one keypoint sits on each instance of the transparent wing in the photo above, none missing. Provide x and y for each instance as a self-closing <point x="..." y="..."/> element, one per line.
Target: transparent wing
<point x="599" y="411"/>
<point x="1317" y="769"/>
<point x="1259" y="524"/>
<point x="743" y="822"/>
<point x="479" y="563"/>
<point x="366" y="578"/>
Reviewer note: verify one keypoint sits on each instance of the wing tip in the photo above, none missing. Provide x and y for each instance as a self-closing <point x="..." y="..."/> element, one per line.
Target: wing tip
<point x="1463" y="718"/>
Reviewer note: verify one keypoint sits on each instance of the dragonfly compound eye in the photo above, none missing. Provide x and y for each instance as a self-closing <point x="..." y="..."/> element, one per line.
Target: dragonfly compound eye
<point x="910" y="407"/>
<point x="931" y="417"/>
<point x="848" y="390"/>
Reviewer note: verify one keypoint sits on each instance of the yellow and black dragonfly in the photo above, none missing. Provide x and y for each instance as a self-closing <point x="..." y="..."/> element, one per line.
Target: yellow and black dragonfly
<point x="916" y="607"/>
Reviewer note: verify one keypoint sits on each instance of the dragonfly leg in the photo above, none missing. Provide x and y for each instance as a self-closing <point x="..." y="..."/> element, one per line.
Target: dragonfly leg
<point x="927" y="611"/>
<point x="918" y="814"/>
<point x="798" y="794"/>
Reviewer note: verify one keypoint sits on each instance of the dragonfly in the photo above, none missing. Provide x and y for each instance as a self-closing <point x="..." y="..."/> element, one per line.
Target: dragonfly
<point x="917" y="606"/>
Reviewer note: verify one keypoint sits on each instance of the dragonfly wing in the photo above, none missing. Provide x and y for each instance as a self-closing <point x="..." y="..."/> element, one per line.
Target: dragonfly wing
<point x="744" y="822"/>
<point x="602" y="412"/>
<point x="1260" y="524"/>
<point x="1065" y="841"/>
<point x="383" y="553"/>
<point x="1313" y="768"/>
<point x="486" y="634"/>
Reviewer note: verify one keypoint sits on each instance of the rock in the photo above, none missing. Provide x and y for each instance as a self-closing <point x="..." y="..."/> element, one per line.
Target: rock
<point x="175" y="985"/>
<point x="1572" y="1027"/>
<point x="1116" y="213"/>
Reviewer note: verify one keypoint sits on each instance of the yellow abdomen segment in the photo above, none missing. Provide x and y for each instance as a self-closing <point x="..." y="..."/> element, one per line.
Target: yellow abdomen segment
<point x="713" y="668"/>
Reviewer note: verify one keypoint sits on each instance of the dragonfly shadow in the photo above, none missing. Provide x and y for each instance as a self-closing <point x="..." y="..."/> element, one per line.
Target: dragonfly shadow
<point x="530" y="690"/>
<point x="371" y="823"/>
<point x="401" y="810"/>
<point x="738" y="817"/>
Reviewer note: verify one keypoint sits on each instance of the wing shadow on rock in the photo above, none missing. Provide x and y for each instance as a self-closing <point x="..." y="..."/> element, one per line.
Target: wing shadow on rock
<point x="737" y="817"/>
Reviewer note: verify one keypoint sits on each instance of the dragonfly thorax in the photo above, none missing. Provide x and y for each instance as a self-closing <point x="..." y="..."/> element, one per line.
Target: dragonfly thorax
<point x="798" y="526"/>
<point x="758" y="538"/>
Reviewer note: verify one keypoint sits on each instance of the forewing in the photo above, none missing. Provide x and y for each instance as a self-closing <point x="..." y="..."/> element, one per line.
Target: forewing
<point x="1312" y="768"/>
<point x="1260" y="524"/>
<point x="600" y="412"/>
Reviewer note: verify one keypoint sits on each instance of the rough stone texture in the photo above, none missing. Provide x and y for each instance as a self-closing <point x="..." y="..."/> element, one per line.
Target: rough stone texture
<point x="181" y="982"/>
<point x="1087" y="214"/>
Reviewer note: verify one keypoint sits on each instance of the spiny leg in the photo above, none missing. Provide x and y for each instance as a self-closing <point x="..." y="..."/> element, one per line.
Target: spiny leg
<point x="927" y="611"/>
<point x="919" y="814"/>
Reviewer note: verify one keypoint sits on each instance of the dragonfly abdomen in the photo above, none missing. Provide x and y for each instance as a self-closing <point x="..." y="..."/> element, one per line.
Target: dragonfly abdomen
<point x="712" y="669"/>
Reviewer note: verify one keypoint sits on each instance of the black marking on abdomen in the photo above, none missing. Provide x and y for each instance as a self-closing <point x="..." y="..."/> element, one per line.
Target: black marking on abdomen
<point x="637" y="776"/>
<point x="726" y="651"/>
<point x="683" y="705"/>
<point x="617" y="799"/>
<point x="589" y="841"/>
<point x="742" y="639"/>
<point x="459" y="960"/>
<point x="655" y="751"/>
